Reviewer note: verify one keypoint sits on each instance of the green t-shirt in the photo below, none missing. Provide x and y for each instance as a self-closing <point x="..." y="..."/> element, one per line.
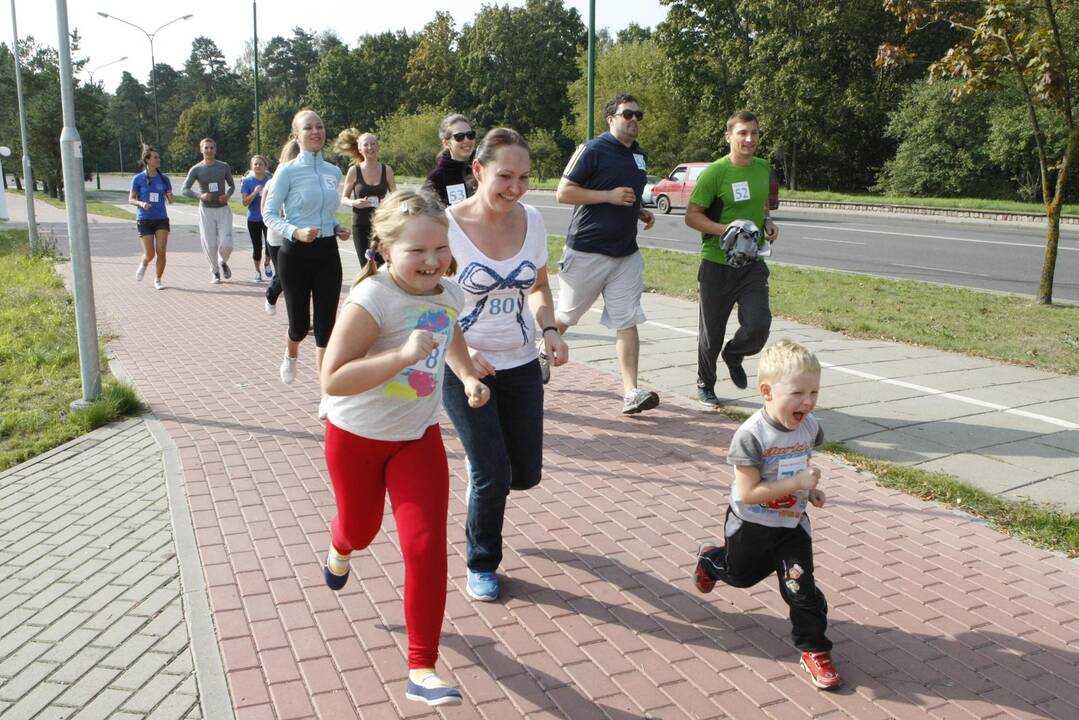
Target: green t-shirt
<point x="744" y="191"/>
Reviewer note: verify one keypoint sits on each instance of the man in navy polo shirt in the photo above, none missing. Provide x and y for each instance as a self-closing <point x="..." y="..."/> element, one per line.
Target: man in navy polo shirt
<point x="604" y="179"/>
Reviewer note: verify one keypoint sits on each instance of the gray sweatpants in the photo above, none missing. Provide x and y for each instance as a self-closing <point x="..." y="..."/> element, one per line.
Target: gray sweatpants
<point x="215" y="231"/>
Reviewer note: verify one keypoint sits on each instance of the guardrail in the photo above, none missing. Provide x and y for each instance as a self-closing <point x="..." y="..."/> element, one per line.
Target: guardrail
<point x="1008" y="215"/>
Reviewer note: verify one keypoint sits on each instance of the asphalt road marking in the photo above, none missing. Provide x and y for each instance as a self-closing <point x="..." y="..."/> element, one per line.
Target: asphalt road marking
<point x="940" y="270"/>
<point x="925" y="390"/>
<point x="845" y="242"/>
<point x="918" y="235"/>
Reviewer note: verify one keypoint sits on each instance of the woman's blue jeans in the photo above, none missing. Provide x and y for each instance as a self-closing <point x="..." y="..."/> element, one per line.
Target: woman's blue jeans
<point x="504" y="443"/>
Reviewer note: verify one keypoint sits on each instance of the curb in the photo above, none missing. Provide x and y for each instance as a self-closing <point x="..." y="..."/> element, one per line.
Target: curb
<point x="970" y="214"/>
<point x="214" y="698"/>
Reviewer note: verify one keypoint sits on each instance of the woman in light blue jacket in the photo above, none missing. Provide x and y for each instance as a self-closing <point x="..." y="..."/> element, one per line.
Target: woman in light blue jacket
<point x="307" y="189"/>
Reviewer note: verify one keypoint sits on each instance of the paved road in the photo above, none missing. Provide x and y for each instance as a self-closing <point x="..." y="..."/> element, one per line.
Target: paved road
<point x="982" y="255"/>
<point x="986" y="255"/>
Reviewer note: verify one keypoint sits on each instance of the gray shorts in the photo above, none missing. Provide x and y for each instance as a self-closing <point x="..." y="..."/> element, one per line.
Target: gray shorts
<point x="584" y="276"/>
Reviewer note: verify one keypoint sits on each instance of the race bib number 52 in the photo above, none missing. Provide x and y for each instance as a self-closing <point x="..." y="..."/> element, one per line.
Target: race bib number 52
<point x="740" y="191"/>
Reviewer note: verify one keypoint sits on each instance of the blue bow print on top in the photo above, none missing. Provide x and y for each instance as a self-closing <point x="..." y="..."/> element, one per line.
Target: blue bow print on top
<point x="480" y="279"/>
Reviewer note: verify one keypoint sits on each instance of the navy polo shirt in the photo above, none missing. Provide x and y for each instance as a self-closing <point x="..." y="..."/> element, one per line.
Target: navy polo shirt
<point x="604" y="163"/>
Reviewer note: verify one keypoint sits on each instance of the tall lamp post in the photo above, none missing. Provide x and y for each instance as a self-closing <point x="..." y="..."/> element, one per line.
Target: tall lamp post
<point x="255" y="29"/>
<point x="27" y="171"/>
<point x="91" y="72"/>
<point x="153" y="64"/>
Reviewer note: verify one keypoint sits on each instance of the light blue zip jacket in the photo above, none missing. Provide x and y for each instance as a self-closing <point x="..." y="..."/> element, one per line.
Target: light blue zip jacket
<point x="308" y="188"/>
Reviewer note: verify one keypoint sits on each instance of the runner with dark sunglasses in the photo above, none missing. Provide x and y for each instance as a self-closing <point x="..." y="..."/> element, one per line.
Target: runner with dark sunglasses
<point x="452" y="177"/>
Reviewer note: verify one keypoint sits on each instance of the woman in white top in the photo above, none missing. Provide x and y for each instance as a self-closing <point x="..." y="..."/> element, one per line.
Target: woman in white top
<point x="501" y="250"/>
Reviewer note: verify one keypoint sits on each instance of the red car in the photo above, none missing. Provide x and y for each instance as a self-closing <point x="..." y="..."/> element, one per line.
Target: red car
<point x="675" y="189"/>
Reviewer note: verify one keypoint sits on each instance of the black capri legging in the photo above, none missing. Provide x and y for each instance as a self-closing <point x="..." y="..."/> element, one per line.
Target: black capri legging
<point x="310" y="274"/>
<point x="257" y="230"/>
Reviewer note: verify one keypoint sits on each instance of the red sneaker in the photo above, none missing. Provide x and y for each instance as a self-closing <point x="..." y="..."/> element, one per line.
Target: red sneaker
<point x="701" y="578"/>
<point x="821" y="670"/>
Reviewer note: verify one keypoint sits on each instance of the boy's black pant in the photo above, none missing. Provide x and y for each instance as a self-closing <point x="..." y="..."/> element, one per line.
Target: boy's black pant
<point x="753" y="552"/>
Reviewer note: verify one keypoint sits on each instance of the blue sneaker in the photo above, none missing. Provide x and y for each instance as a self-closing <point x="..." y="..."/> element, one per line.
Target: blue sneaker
<point x="482" y="586"/>
<point x="433" y="692"/>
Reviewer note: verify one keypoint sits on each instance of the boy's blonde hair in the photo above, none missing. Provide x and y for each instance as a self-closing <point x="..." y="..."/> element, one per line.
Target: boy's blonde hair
<point x="389" y="220"/>
<point x="784" y="358"/>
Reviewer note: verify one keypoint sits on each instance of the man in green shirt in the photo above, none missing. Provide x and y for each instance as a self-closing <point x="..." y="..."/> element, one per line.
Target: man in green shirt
<point x="732" y="188"/>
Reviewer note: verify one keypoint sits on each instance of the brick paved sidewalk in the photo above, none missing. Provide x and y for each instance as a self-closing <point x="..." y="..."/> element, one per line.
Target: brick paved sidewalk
<point x="91" y="617"/>
<point x="931" y="612"/>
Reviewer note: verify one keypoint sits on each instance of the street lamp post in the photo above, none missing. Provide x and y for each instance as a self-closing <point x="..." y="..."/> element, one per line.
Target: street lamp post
<point x="77" y="231"/>
<point x="91" y="72"/>
<point x="255" y="29"/>
<point x="27" y="171"/>
<point x="153" y="66"/>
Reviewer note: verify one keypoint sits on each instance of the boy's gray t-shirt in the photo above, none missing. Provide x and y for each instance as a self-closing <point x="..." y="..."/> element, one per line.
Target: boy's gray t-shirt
<point x="778" y="452"/>
<point x="212" y="179"/>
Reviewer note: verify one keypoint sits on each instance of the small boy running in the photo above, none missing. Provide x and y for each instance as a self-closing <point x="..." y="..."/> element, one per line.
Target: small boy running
<point x="767" y="529"/>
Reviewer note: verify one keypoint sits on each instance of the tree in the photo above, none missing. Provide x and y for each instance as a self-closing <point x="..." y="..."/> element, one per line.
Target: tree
<point x="132" y="112"/>
<point x="707" y="44"/>
<point x="518" y="62"/>
<point x="226" y="120"/>
<point x="433" y="76"/>
<point x="44" y="113"/>
<point x="545" y="154"/>
<point x="207" y="75"/>
<point x="285" y="63"/>
<point x="275" y="118"/>
<point x="1029" y="47"/>
<point x="823" y="105"/>
<point x="356" y="88"/>
<point x="633" y="33"/>
<point x="410" y="140"/>
<point x="641" y="70"/>
<point x="941" y="148"/>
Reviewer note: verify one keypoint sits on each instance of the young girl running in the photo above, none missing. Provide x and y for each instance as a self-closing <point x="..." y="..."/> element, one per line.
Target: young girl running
<point x="382" y="372"/>
<point x="251" y="190"/>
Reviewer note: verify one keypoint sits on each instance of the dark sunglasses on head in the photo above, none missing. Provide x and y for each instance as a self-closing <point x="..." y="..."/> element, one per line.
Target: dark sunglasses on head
<point x="460" y="137"/>
<point x="630" y="114"/>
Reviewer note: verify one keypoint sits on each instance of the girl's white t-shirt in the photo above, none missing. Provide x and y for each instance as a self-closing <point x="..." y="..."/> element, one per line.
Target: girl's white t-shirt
<point x="403" y="407"/>
<point x="496" y="319"/>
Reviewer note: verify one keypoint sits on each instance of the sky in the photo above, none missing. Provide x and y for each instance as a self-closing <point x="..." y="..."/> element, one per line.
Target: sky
<point x="228" y="23"/>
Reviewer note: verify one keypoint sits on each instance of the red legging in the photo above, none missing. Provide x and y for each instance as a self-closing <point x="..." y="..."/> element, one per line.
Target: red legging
<point x="416" y="475"/>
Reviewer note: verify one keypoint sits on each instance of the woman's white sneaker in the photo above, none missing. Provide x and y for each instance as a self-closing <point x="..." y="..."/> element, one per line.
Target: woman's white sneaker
<point x="288" y="370"/>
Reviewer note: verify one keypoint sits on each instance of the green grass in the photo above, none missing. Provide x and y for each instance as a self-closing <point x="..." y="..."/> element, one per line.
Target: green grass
<point x="93" y="207"/>
<point x="1038" y="525"/>
<point x="39" y="362"/>
<point x="1000" y="327"/>
<point x="950" y="203"/>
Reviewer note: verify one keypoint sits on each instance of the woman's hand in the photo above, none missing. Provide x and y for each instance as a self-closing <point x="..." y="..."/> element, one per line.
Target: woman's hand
<point x="343" y="234"/>
<point x="556" y="348"/>
<point x="306" y="235"/>
<point x="816" y="497"/>
<point x="483" y="365"/>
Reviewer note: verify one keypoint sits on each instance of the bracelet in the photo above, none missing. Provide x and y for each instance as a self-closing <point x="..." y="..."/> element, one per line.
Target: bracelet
<point x="550" y="327"/>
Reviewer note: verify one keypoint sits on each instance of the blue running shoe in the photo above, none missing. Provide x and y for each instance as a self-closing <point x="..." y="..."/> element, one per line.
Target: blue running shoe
<point x="482" y="586"/>
<point x="333" y="580"/>
<point x="433" y="692"/>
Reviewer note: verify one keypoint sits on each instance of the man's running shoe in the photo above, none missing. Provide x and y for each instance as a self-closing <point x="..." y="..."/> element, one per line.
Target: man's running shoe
<point x="226" y="271"/>
<point x="638" y="400"/>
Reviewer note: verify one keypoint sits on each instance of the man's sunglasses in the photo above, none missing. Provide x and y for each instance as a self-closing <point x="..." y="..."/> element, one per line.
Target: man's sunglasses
<point x="630" y="114"/>
<point x="460" y="137"/>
